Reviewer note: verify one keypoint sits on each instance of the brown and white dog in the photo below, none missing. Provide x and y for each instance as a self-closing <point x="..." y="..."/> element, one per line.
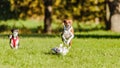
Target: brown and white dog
<point x="14" y="39"/>
<point x="68" y="32"/>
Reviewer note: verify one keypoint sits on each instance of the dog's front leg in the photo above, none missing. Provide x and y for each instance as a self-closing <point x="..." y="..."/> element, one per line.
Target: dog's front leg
<point x="17" y="44"/>
<point x="68" y="42"/>
<point x="64" y="39"/>
<point x="11" y="44"/>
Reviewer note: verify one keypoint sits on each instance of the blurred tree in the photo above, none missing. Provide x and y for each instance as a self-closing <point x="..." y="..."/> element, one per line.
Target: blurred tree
<point x="48" y="16"/>
<point x="76" y="9"/>
<point x="83" y="10"/>
<point x="113" y="15"/>
<point x="5" y="12"/>
<point x="27" y="8"/>
<point x="80" y="10"/>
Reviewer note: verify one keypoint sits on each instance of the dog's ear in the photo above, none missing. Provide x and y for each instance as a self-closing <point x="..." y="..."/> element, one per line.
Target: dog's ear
<point x="70" y="21"/>
<point x="67" y="21"/>
<point x="64" y="21"/>
<point x="14" y="30"/>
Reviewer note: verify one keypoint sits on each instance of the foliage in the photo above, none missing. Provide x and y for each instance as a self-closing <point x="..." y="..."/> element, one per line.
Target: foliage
<point x="80" y="9"/>
<point x="27" y="8"/>
<point x="5" y="12"/>
<point x="76" y="9"/>
<point x="4" y="27"/>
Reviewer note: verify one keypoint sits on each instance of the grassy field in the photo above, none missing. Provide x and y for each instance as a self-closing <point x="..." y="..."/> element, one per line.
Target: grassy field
<point x="96" y="49"/>
<point x="37" y="26"/>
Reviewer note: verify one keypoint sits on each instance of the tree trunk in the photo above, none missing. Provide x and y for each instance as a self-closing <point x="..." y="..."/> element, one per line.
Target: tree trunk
<point x="113" y="22"/>
<point x="48" y="16"/>
<point x="107" y="19"/>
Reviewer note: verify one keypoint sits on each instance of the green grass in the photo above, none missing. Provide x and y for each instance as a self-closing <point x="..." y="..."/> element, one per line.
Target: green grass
<point x="30" y="24"/>
<point x="37" y="26"/>
<point x="89" y="50"/>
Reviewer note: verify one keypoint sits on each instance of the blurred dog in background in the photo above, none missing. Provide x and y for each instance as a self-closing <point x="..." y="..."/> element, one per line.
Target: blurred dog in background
<point x="14" y="39"/>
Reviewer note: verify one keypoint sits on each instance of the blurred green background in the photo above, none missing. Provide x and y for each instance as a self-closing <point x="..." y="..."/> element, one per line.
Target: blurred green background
<point x="30" y="15"/>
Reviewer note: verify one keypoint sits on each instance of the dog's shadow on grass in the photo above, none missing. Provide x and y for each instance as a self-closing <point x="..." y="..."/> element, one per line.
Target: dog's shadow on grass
<point x="50" y="53"/>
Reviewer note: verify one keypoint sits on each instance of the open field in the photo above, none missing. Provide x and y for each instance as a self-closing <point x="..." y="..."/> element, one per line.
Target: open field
<point x="37" y="26"/>
<point x="96" y="49"/>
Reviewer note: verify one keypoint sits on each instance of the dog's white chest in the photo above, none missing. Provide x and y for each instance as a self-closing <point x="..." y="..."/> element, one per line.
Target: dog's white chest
<point x="67" y="34"/>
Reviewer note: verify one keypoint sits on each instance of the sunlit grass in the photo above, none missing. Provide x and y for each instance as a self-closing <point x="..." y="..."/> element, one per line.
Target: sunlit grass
<point x="86" y="52"/>
<point x="30" y="24"/>
<point x="37" y="26"/>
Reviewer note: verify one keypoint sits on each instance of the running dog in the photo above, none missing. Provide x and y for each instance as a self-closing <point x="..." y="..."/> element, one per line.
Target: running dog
<point x="68" y="32"/>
